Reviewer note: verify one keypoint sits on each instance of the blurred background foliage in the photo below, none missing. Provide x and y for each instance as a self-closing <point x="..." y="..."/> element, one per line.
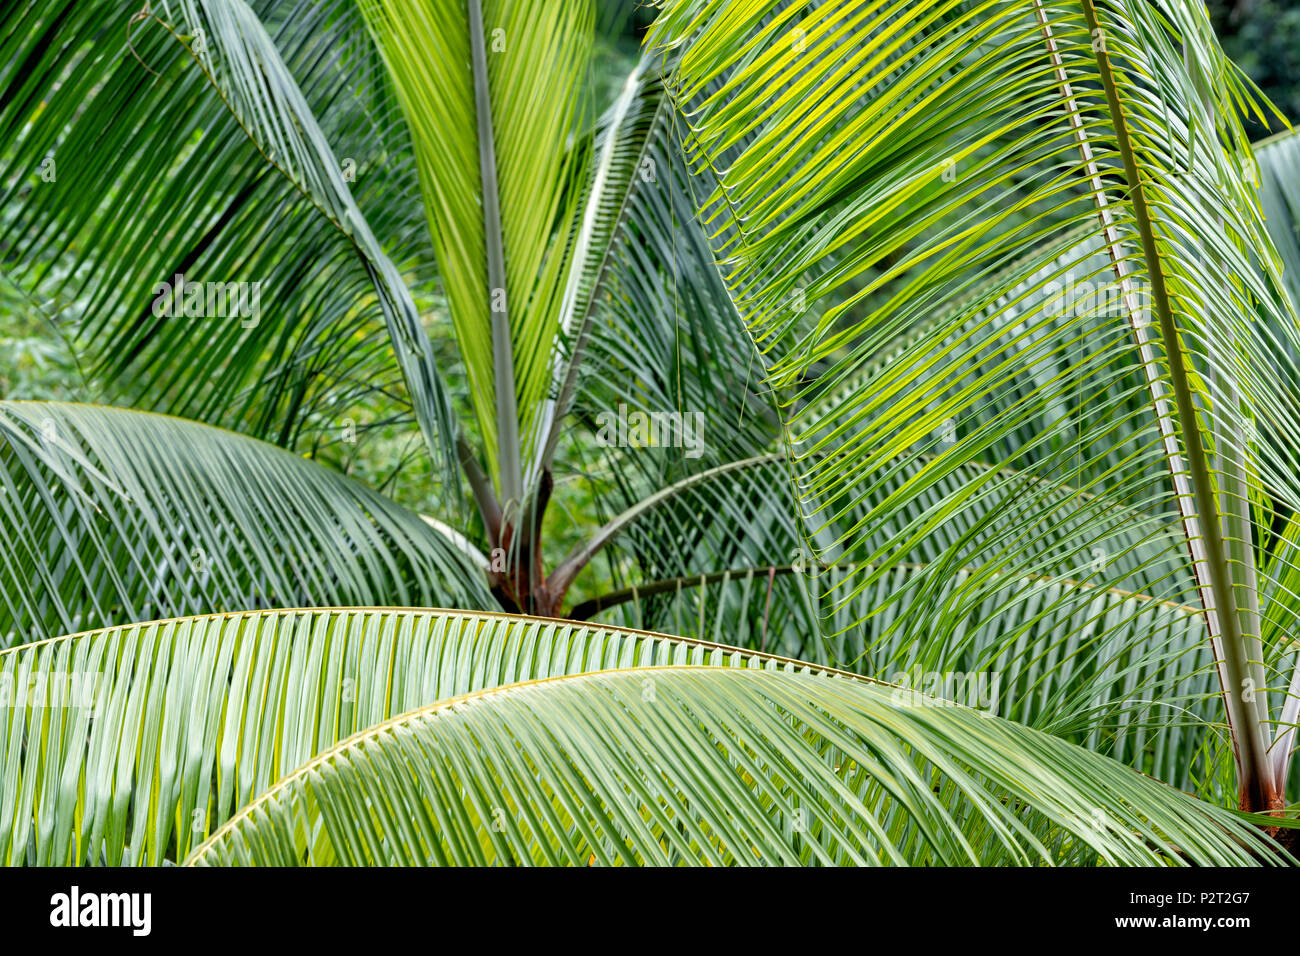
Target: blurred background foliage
<point x="1263" y="38"/>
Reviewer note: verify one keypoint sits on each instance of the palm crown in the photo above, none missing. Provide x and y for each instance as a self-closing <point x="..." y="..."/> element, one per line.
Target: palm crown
<point x="967" y="329"/>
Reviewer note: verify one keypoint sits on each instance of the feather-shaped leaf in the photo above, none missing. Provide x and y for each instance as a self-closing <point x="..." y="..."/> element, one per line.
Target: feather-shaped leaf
<point x="717" y="766"/>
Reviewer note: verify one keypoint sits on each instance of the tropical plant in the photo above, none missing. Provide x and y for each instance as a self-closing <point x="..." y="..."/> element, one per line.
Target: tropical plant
<point x="977" y="305"/>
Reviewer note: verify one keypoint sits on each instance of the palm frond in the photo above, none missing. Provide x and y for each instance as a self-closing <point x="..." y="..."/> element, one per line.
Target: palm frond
<point x="519" y="219"/>
<point x="716" y="766"/>
<point x="652" y="330"/>
<point x="194" y="717"/>
<point x="109" y="516"/>
<point x="121" y="110"/>
<point x="995" y="113"/>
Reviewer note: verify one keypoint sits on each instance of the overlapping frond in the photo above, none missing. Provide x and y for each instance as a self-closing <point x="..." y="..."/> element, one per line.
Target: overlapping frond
<point x="716" y="766"/>
<point x="1120" y="673"/>
<point x="947" y="140"/>
<point x="109" y="516"/>
<point x="140" y="148"/>
<point x="195" y="717"/>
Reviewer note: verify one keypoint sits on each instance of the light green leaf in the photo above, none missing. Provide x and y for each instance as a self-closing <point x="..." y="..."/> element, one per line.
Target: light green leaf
<point x="536" y="55"/>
